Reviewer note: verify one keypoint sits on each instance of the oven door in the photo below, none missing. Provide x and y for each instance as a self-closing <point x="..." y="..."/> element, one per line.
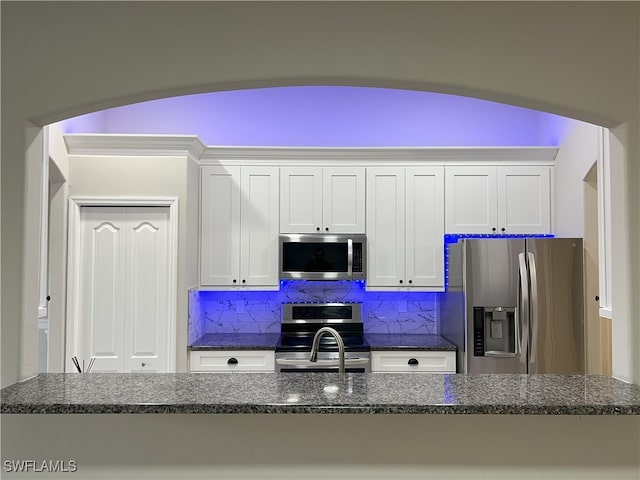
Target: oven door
<point x="354" y="362"/>
<point x="322" y="257"/>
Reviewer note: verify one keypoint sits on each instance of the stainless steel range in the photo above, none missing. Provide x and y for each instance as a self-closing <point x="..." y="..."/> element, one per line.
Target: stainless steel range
<point x="300" y="324"/>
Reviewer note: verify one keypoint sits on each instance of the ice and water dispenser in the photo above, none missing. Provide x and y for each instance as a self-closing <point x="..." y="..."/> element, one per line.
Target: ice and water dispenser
<point x="494" y="331"/>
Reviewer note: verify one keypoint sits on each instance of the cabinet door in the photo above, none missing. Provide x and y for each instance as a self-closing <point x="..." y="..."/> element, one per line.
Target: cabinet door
<point x="385" y="226"/>
<point x="259" y="226"/>
<point x="524" y="201"/>
<point x="232" y="361"/>
<point x="471" y="200"/>
<point x="220" y="226"/>
<point x="300" y="199"/>
<point x="424" y="217"/>
<point x="343" y="200"/>
<point x="406" y="361"/>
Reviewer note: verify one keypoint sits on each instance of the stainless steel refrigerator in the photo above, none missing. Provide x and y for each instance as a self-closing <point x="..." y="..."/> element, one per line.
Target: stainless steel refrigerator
<point x="523" y="305"/>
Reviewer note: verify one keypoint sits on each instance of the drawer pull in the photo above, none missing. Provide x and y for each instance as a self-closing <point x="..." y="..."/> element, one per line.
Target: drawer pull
<point x="413" y="361"/>
<point x="232" y="361"/>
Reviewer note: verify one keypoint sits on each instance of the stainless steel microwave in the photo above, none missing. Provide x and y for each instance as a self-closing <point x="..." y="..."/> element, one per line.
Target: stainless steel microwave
<point x="323" y="256"/>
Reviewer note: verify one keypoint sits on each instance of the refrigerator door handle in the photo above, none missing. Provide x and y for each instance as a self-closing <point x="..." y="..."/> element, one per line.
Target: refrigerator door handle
<point x="534" y="306"/>
<point x="523" y="307"/>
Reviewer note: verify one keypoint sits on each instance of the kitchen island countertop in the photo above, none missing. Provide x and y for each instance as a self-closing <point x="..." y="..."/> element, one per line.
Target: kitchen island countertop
<point x="325" y="393"/>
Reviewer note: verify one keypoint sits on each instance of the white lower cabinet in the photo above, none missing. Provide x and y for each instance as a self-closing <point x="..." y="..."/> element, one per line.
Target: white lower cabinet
<point x="418" y="361"/>
<point x="232" y="361"/>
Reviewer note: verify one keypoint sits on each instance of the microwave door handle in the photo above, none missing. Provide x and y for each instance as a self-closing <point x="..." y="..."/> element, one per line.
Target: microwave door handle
<point x="350" y="258"/>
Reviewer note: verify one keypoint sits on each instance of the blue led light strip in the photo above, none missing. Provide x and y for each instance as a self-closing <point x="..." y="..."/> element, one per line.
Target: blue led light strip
<point x="450" y="238"/>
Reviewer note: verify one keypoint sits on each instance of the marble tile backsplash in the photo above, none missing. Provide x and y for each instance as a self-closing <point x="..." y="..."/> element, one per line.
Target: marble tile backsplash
<point x="259" y="311"/>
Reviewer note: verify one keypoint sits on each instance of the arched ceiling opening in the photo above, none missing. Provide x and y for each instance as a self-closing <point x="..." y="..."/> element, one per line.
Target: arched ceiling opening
<point x="330" y="115"/>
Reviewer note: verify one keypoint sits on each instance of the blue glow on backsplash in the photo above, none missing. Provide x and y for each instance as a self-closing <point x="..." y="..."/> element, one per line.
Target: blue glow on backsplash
<point x="242" y="311"/>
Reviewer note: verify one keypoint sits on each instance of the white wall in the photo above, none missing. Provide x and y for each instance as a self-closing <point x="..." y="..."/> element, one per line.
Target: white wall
<point x="112" y="176"/>
<point x="576" y="155"/>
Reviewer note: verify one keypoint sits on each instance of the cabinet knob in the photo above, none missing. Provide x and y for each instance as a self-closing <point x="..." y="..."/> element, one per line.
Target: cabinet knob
<point x="326" y="229"/>
<point x="597" y="298"/>
<point x="244" y="281"/>
<point x="410" y="281"/>
<point x="235" y="281"/>
<point x="317" y="229"/>
<point x="493" y="229"/>
<point x="413" y="361"/>
<point x="503" y="229"/>
<point x="232" y="361"/>
<point x="400" y="281"/>
<point x="144" y="364"/>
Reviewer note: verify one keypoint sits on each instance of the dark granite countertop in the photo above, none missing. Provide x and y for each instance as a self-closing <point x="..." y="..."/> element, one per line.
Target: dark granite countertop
<point x="236" y="341"/>
<point x="407" y="341"/>
<point x="267" y="341"/>
<point x="380" y="393"/>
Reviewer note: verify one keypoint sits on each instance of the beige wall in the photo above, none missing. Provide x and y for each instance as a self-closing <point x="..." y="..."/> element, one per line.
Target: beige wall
<point x="330" y="446"/>
<point x="576" y="155"/>
<point x="571" y="58"/>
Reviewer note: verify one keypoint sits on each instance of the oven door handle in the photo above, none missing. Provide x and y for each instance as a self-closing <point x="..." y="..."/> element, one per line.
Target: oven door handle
<point x="306" y="363"/>
<point x="350" y="258"/>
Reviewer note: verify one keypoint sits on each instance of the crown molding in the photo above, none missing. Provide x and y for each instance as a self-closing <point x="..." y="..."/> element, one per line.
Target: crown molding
<point x="192" y="146"/>
<point x="134" y="145"/>
<point x="379" y="155"/>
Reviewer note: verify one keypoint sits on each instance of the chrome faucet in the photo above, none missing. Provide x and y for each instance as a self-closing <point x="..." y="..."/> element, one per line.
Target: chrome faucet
<point x="313" y="357"/>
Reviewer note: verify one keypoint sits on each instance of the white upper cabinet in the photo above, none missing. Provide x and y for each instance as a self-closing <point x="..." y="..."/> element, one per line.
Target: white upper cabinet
<point x="405" y="227"/>
<point x="524" y="199"/>
<point x="424" y="226"/>
<point x="327" y="200"/>
<point x="239" y="226"/>
<point x="471" y="199"/>
<point x="498" y="200"/>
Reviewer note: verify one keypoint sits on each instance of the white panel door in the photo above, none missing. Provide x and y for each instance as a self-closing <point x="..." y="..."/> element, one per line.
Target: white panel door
<point x="259" y="226"/>
<point x="300" y="199"/>
<point x="147" y="302"/>
<point x="524" y="199"/>
<point x="424" y="219"/>
<point x="220" y="224"/>
<point x="124" y="289"/>
<point x="102" y="288"/>
<point x="343" y="200"/>
<point x="471" y="200"/>
<point x="385" y="226"/>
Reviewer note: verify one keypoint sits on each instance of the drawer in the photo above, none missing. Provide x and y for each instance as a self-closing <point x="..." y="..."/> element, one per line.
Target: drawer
<point x="232" y="361"/>
<point x="413" y="361"/>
